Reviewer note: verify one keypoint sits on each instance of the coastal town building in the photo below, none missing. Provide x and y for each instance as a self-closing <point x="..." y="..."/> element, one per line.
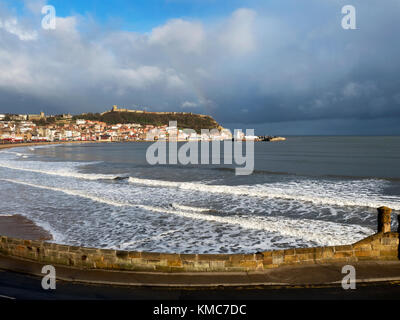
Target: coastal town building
<point x="35" y="127"/>
<point x="34" y="117"/>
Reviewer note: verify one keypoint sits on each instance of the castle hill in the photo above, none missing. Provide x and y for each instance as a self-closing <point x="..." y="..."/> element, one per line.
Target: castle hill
<point x="116" y="125"/>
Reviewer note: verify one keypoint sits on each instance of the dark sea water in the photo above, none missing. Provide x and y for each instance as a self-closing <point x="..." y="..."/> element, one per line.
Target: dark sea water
<point x="305" y="191"/>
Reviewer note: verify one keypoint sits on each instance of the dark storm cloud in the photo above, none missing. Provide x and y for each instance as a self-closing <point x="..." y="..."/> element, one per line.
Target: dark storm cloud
<point x="257" y="67"/>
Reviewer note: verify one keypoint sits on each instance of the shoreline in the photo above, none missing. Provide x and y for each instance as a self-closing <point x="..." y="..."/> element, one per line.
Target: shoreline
<point x="30" y="144"/>
<point x="18" y="226"/>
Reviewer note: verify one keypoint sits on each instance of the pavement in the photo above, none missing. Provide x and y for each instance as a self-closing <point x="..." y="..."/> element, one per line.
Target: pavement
<point x="16" y="287"/>
<point x="21" y="279"/>
<point x="317" y="274"/>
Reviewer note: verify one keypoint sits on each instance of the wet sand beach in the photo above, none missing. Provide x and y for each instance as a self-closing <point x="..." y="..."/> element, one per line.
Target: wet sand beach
<point x="30" y="144"/>
<point x="17" y="226"/>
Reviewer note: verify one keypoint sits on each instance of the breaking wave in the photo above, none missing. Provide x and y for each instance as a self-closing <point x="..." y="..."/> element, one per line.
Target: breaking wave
<point x="344" y="193"/>
<point x="317" y="192"/>
<point x="319" y="232"/>
<point x="68" y="173"/>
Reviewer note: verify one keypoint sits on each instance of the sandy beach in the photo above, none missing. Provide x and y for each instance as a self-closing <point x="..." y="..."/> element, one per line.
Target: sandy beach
<point x="17" y="226"/>
<point x="30" y="144"/>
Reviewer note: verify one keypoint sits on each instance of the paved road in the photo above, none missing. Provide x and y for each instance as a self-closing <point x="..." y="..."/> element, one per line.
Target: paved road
<point x="315" y="274"/>
<point x="24" y="287"/>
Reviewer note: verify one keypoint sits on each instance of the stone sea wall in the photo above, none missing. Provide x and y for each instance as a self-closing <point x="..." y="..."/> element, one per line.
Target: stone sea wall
<point x="383" y="245"/>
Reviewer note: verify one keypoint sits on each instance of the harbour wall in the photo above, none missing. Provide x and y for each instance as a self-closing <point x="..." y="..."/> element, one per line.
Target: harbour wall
<point x="384" y="245"/>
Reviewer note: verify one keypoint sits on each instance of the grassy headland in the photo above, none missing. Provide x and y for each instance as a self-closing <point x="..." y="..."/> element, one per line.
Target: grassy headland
<point x="184" y="120"/>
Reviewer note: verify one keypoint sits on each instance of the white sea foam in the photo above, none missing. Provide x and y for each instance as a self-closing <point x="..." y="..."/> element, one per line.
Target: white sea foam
<point x="189" y="208"/>
<point x="66" y="172"/>
<point x="58" y="237"/>
<point x="357" y="193"/>
<point x="69" y="192"/>
<point x="315" y="192"/>
<point x="157" y="237"/>
<point x="320" y="232"/>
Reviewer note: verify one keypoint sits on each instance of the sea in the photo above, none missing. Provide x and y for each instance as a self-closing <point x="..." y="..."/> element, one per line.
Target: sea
<point x="305" y="191"/>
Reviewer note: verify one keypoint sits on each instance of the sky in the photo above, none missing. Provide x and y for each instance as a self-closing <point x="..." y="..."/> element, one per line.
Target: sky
<point x="280" y="67"/>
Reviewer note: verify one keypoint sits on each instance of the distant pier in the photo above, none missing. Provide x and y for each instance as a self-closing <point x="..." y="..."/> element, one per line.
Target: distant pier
<point x="272" y="138"/>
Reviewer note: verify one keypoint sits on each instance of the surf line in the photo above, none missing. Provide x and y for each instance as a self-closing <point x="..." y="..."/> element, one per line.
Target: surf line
<point x="281" y="226"/>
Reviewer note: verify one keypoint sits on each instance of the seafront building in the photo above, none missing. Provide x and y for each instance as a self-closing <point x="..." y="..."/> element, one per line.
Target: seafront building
<point x="41" y="128"/>
<point x="28" y="128"/>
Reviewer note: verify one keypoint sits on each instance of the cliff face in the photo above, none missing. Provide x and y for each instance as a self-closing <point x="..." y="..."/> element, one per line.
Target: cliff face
<point x="185" y="120"/>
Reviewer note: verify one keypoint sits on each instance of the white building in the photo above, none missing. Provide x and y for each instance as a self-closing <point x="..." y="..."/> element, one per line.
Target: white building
<point x="193" y="136"/>
<point x="251" y="138"/>
<point x="239" y="135"/>
<point x="226" y="134"/>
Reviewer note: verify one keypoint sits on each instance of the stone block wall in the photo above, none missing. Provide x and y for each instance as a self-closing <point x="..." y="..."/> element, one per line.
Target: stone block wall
<point x="380" y="246"/>
<point x="383" y="245"/>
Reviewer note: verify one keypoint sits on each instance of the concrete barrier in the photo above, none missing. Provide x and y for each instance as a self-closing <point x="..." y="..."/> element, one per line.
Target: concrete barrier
<point x="383" y="245"/>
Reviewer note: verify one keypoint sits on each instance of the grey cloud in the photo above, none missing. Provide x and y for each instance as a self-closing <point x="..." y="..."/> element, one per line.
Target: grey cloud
<point x="280" y="66"/>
